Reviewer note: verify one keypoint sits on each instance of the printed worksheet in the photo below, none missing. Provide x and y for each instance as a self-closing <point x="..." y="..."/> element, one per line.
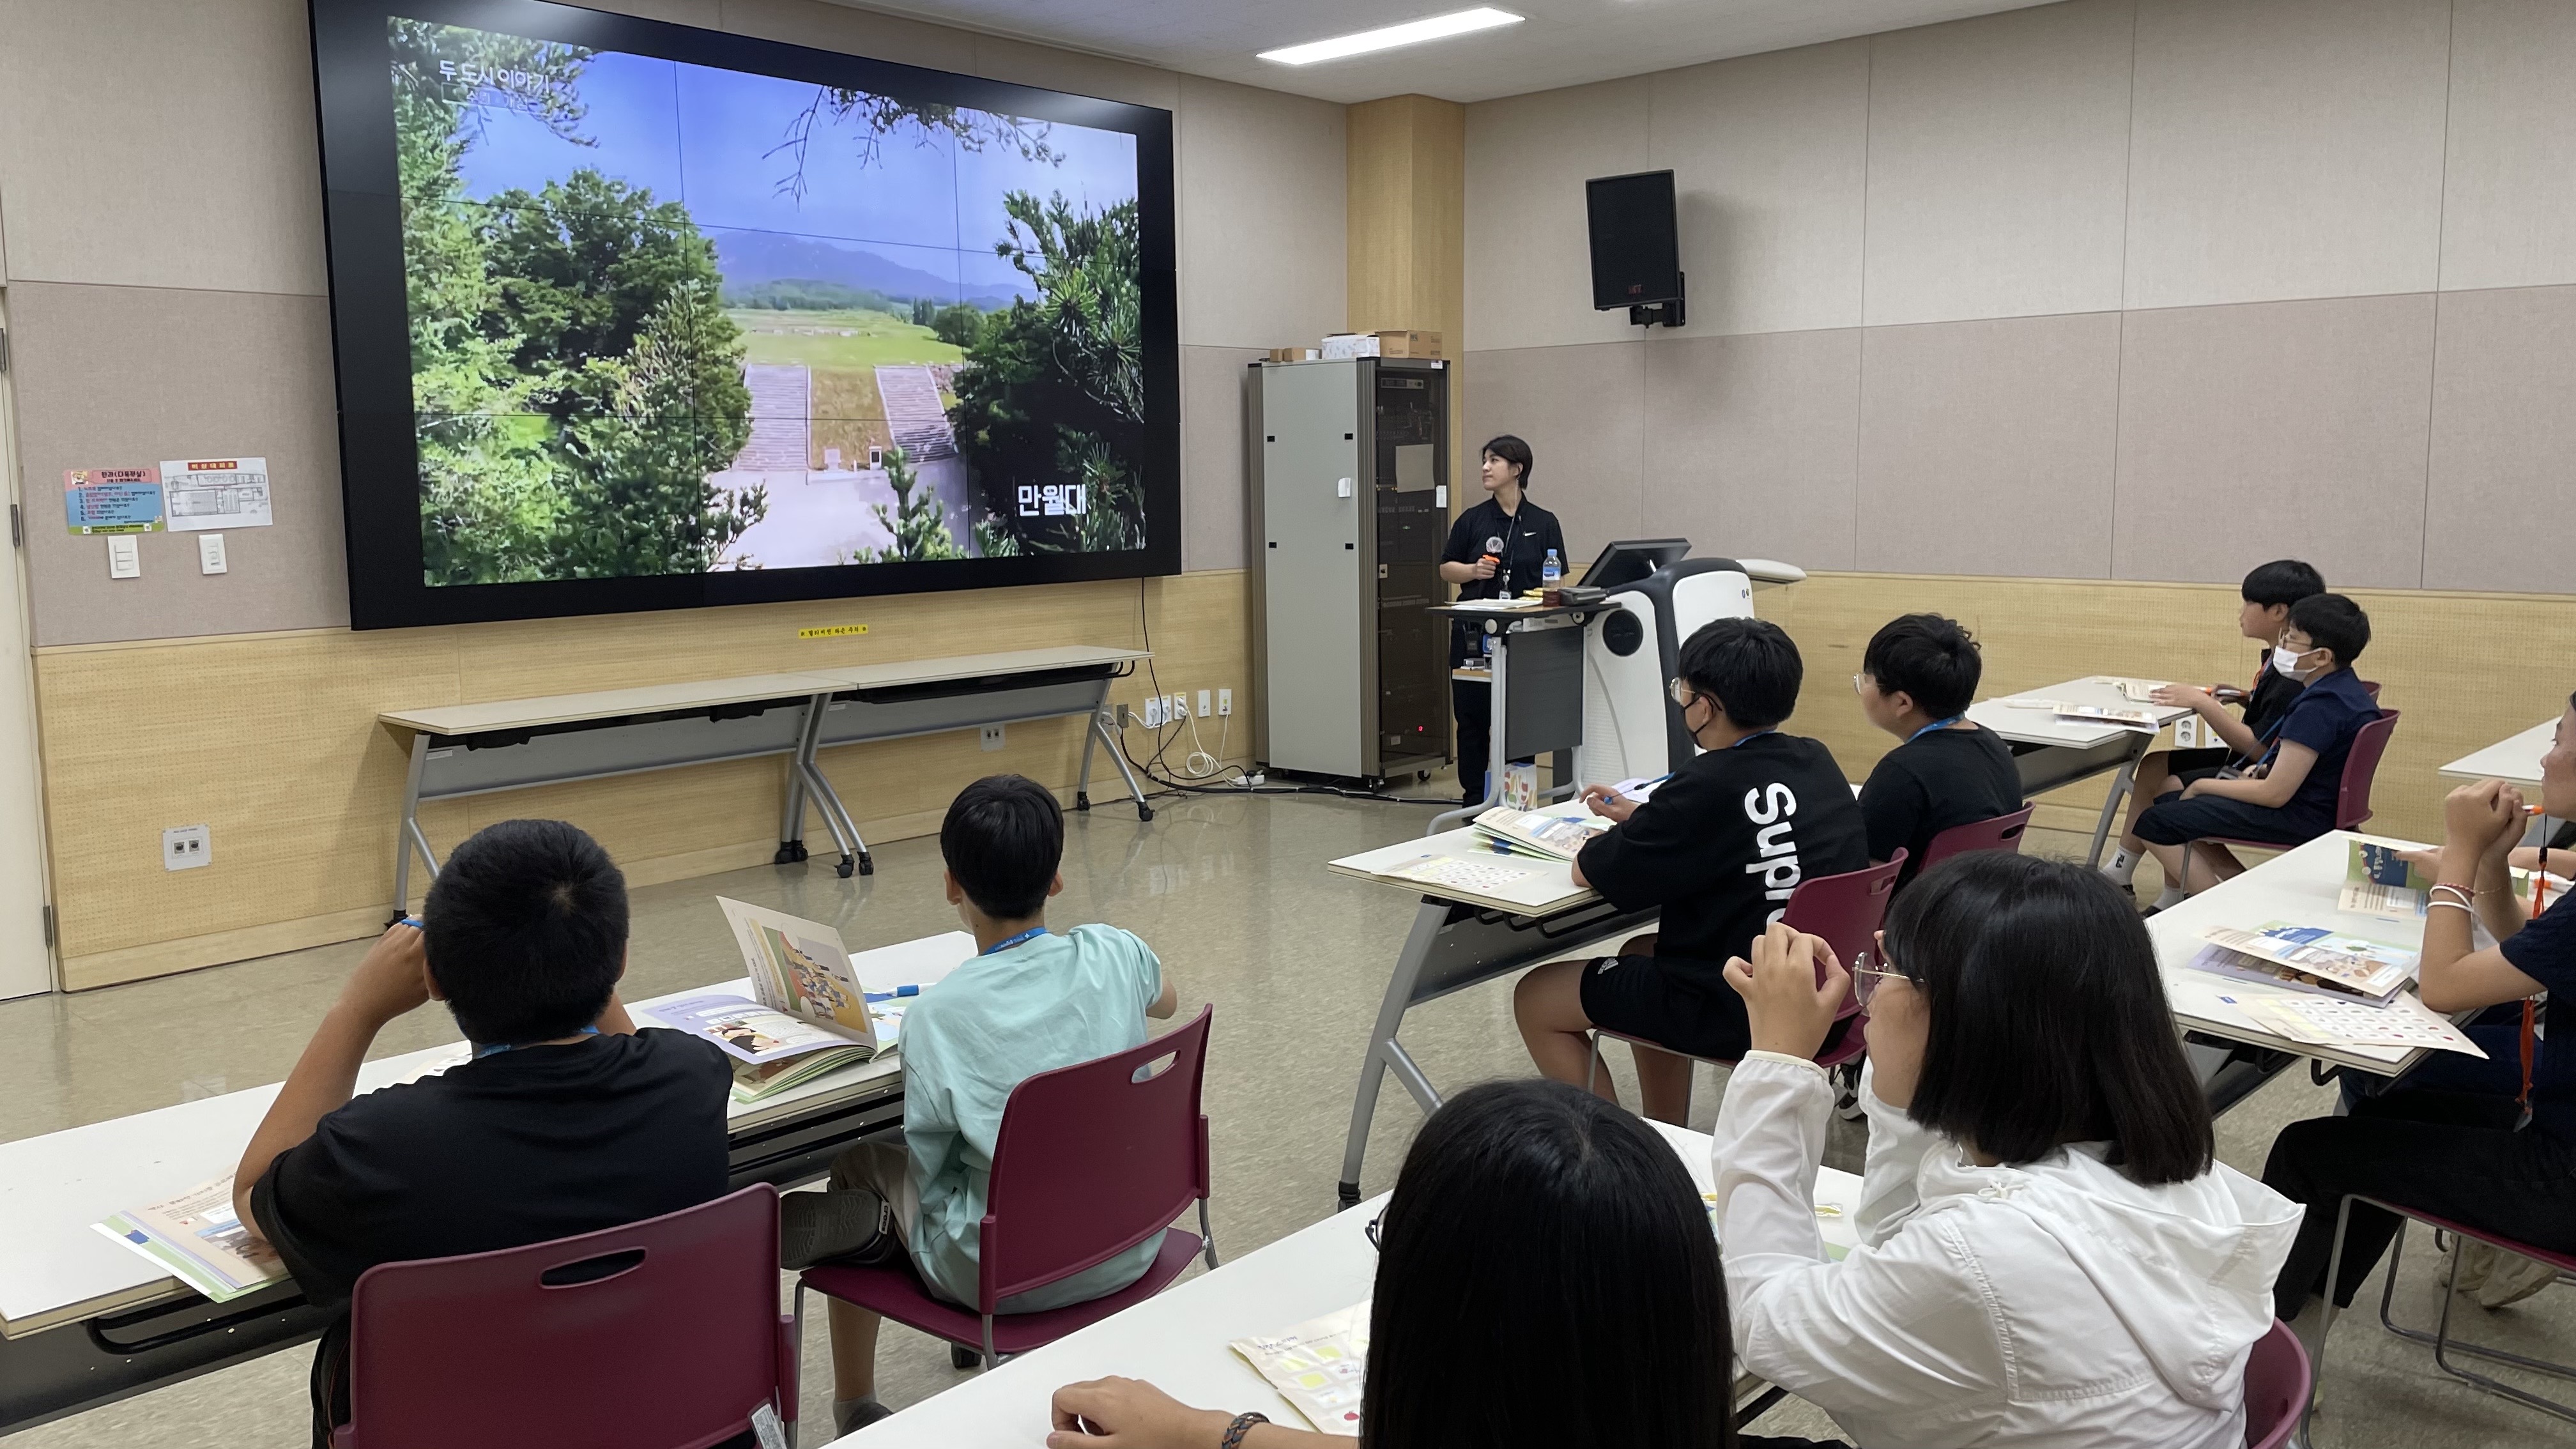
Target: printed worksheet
<point x="196" y="1238"/>
<point x="1500" y="879"/>
<point x="2326" y="1021"/>
<point x="1318" y="1366"/>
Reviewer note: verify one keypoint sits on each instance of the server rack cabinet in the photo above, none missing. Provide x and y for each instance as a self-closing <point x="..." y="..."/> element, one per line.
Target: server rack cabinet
<point x="1347" y="468"/>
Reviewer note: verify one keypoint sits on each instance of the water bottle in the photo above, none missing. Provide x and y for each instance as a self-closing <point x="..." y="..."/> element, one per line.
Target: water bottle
<point x="1551" y="573"/>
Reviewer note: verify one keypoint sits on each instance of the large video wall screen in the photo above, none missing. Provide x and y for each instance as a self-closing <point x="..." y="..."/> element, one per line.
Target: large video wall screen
<point x="634" y="316"/>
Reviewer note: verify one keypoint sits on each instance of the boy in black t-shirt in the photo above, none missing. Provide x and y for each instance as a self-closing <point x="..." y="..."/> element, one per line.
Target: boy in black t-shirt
<point x="566" y="1121"/>
<point x="2268" y="593"/>
<point x="1719" y="846"/>
<point x="1917" y="678"/>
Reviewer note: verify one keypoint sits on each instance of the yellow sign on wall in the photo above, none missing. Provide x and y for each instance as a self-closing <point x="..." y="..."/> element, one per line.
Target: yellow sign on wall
<point x="832" y="631"/>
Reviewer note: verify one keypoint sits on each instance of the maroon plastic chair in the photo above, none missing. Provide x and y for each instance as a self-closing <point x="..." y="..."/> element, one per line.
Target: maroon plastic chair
<point x="1092" y="1159"/>
<point x="2003" y="833"/>
<point x="2440" y="1339"/>
<point x="2352" y="793"/>
<point x="2276" y="1388"/>
<point x="663" y="1334"/>
<point x="1847" y="911"/>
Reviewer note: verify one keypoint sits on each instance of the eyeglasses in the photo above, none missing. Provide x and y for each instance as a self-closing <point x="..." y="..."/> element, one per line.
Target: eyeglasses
<point x="1860" y="684"/>
<point x="1866" y="981"/>
<point x="1681" y="692"/>
<point x="1372" y="1230"/>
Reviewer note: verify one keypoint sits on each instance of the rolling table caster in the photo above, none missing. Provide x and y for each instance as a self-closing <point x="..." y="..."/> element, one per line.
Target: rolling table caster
<point x="1144" y="811"/>
<point x="960" y="1356"/>
<point x="790" y="852"/>
<point x="1081" y="799"/>
<point x="861" y="864"/>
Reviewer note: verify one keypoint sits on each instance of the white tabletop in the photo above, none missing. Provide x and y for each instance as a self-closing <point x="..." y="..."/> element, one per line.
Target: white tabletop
<point x="971" y="666"/>
<point x="1178" y="1339"/>
<point x="54" y="1268"/>
<point x="2300" y="886"/>
<point x="550" y="709"/>
<point x="1550" y="890"/>
<point x="2516" y="760"/>
<point x="2042" y="727"/>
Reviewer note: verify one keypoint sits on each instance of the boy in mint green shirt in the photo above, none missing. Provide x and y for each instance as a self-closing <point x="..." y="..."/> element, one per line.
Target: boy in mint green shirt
<point x="1031" y="1001"/>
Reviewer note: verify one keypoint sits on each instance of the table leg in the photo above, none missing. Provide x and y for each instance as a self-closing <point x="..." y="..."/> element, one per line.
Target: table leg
<point x="1100" y="731"/>
<point x="2112" y="804"/>
<point x="791" y="807"/>
<point x="1383" y="1051"/>
<point x="1452" y="819"/>
<point x="407" y="833"/>
<point x="1090" y="742"/>
<point x="836" y="817"/>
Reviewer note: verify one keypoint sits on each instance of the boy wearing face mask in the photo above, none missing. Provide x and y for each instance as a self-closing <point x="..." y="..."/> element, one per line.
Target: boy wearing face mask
<point x="2288" y="796"/>
<point x="1718" y="846"/>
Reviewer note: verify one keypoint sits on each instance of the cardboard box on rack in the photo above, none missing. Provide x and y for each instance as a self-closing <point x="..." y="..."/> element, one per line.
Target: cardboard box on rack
<point x="1381" y="344"/>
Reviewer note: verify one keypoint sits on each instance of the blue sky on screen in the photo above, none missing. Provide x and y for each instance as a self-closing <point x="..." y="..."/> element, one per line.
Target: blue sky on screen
<point x="707" y="137"/>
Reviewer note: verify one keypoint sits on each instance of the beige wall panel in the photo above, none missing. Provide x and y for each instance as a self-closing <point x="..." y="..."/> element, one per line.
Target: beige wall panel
<point x="285" y="760"/>
<point x="120" y="377"/>
<point x="1754" y="445"/>
<point x="1582" y="411"/>
<point x="1212" y="483"/>
<point x="1770" y="164"/>
<point x="853" y="32"/>
<point x="2281" y="429"/>
<point x="1998" y="164"/>
<point x="1076" y="73"/>
<point x="2286" y="149"/>
<point x="1529" y="259"/>
<point x="2454" y="663"/>
<point x="160" y="143"/>
<point x="1261" y="188"/>
<point x="2503" y="465"/>
<point x="1986" y="447"/>
<point x="1406" y="206"/>
<point x="2508" y="210"/>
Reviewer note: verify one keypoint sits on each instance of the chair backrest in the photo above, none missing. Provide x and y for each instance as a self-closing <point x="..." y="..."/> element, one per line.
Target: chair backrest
<point x="2276" y="1388"/>
<point x="1093" y="1159"/>
<point x="1847" y="911"/>
<point x="2003" y="832"/>
<point x="2352" y="802"/>
<point x="662" y="1334"/>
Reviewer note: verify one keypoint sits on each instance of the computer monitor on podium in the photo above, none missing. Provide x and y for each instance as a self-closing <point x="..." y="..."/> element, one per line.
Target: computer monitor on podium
<point x="1629" y="560"/>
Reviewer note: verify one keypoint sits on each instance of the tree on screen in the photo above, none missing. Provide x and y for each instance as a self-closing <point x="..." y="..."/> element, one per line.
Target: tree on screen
<point x="918" y="524"/>
<point x="872" y="118"/>
<point x="1053" y="390"/>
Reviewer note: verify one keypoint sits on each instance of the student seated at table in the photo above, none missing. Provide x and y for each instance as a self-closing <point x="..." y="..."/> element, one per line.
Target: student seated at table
<point x="1916" y="680"/>
<point x="2288" y="796"/>
<point x="1029" y="1002"/>
<point x="2268" y="592"/>
<point x="1719" y="847"/>
<point x="2049" y="1253"/>
<point x="2447" y="1143"/>
<point x="1545" y="1279"/>
<point x="567" y="1120"/>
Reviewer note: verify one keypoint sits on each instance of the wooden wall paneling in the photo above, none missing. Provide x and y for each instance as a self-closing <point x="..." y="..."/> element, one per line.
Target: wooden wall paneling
<point x="272" y="740"/>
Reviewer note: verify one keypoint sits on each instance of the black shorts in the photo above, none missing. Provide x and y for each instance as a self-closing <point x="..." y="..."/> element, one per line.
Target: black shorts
<point x="1683" y="1005"/>
<point x="2184" y="762"/>
<point x="2178" y="822"/>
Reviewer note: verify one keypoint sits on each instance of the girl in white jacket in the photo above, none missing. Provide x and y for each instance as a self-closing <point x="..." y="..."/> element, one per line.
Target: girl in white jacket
<point x="2050" y="1253"/>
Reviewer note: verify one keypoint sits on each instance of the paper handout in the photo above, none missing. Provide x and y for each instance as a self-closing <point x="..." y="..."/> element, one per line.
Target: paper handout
<point x="196" y="1238"/>
<point x="1319" y="1366"/>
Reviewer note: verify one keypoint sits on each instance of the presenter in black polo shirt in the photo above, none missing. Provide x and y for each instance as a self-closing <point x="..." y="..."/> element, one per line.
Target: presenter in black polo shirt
<point x="1495" y="549"/>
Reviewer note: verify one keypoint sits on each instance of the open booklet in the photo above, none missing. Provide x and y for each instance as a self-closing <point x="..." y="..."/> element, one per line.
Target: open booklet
<point x="808" y="1014"/>
<point x="196" y="1238"/>
<point x="1318" y="1366"/>
<point x="2378" y="880"/>
<point x="2308" y="958"/>
<point x="1550" y="837"/>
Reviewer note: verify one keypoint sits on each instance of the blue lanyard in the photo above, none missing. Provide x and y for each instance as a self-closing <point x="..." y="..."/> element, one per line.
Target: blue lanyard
<point x="1938" y="724"/>
<point x="1757" y="734"/>
<point x="1031" y="933"/>
<point x="496" y="1048"/>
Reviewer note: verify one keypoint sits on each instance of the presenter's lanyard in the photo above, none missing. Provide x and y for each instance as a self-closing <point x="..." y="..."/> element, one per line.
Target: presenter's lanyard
<point x="1938" y="724"/>
<point x="1503" y="577"/>
<point x="1032" y="933"/>
<point x="496" y="1048"/>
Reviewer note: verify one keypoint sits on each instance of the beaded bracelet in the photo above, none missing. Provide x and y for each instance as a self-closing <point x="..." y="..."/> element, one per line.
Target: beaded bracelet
<point x="1241" y="1426"/>
<point x="2467" y="897"/>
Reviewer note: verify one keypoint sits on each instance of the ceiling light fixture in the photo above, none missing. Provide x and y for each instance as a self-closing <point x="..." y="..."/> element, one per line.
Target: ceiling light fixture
<point x="1438" y="27"/>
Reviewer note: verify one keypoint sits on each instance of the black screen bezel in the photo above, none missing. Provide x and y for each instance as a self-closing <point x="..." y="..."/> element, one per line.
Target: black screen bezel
<point x="370" y="320"/>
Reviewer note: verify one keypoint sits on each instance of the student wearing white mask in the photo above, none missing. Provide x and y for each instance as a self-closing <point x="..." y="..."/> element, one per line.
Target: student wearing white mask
<point x="2049" y="1253"/>
<point x="2288" y="796"/>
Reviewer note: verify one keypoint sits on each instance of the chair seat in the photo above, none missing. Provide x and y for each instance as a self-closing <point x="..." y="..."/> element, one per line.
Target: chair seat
<point x="896" y="1291"/>
<point x="2563" y="1262"/>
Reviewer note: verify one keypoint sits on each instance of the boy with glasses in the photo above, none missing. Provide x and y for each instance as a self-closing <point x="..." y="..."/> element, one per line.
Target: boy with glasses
<point x="1719" y="847"/>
